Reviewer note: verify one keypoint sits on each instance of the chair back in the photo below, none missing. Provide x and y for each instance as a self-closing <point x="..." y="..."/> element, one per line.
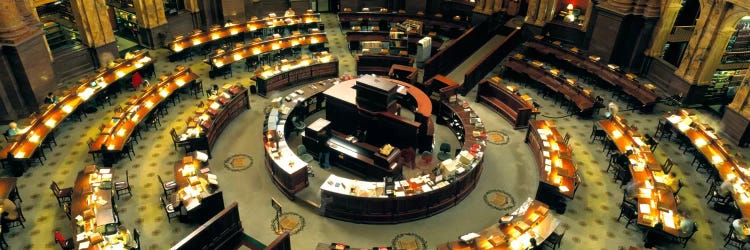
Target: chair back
<point x="163" y="203"/>
<point x="667" y="166"/>
<point x="127" y="178"/>
<point x="137" y="238"/>
<point x="445" y="147"/>
<point x="301" y="149"/>
<point x="173" y="133"/>
<point x="55" y="189"/>
<point x="566" y="139"/>
<point x="160" y="181"/>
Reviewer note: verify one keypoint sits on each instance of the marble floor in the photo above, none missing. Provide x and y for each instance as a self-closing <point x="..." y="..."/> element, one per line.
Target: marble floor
<point x="590" y="220"/>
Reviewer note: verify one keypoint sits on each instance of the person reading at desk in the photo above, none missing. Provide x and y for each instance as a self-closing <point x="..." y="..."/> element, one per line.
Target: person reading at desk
<point x="50" y="98"/>
<point x="9" y="213"/>
<point x="672" y="182"/>
<point x="289" y="12"/>
<point x="726" y="186"/>
<point x="12" y="129"/>
<point x="123" y="236"/>
<point x="687" y="225"/>
<point x="214" y="90"/>
<point x="739" y="226"/>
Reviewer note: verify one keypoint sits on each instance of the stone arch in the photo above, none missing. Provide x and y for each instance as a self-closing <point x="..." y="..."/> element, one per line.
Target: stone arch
<point x="726" y="29"/>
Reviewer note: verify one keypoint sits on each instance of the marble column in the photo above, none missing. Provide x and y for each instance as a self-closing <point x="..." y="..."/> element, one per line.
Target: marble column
<point x="543" y="12"/>
<point x="531" y="11"/>
<point x="151" y="22"/>
<point x="736" y="119"/>
<point x="704" y="36"/>
<point x="664" y="28"/>
<point x="26" y="73"/>
<point x="95" y="29"/>
<point x="194" y="9"/>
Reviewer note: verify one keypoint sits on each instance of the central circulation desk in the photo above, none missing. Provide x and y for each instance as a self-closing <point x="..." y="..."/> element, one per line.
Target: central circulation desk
<point x="113" y="138"/>
<point x="656" y="202"/>
<point x="287" y="170"/>
<point x="416" y="198"/>
<point x="291" y="73"/>
<point x="531" y="220"/>
<point x="710" y="146"/>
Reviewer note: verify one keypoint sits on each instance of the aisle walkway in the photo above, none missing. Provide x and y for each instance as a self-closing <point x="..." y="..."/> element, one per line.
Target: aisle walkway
<point x="458" y="73"/>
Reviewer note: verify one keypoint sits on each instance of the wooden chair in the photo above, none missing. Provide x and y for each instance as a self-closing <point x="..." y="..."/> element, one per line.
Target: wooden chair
<point x="667" y="166"/>
<point x="597" y="134"/>
<point x="554" y="240"/>
<point x="628" y="211"/>
<point x="15" y="222"/>
<point x="566" y="138"/>
<point x="66" y="209"/>
<point x="684" y="239"/>
<point x="732" y="239"/>
<point x="176" y="141"/>
<point x="137" y="239"/>
<point x="169" y="210"/>
<point x="168" y="187"/>
<point x="122" y="187"/>
<point x="62" y="195"/>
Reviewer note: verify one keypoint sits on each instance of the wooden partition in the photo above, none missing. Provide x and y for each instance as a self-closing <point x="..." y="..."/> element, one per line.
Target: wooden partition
<point x="463" y="47"/>
<point x="223" y="231"/>
<point x="380" y="64"/>
<point x="489" y="61"/>
<point x="510" y="105"/>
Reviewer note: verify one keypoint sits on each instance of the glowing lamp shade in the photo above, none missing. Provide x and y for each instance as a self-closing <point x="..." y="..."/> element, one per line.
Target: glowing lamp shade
<point x="34" y="138"/>
<point x="196" y="42"/>
<point x="616" y="134"/>
<point x="67" y="109"/>
<point x="325" y="59"/>
<point x="111" y="146"/>
<point x="215" y="36"/>
<point x="177" y="48"/>
<point x="233" y="32"/>
<point x="564" y="189"/>
<point x="215" y="105"/>
<point x="285" y="67"/>
<point x="295" y="42"/>
<point x="50" y="123"/>
<point x="218" y="63"/>
<point x="237" y="57"/>
<point x="275" y="46"/>
<point x="138" y="65"/>
<point x="569" y="7"/>
<point x="256" y="51"/>
<point x="19" y="155"/>
<point x="700" y="142"/>
<point x="180" y="82"/>
<point x="716" y="159"/>
<point x="163" y="93"/>
<point x="313" y="40"/>
<point x="121" y="132"/>
<point x="149" y="104"/>
<point x="86" y="94"/>
<point x="120" y="74"/>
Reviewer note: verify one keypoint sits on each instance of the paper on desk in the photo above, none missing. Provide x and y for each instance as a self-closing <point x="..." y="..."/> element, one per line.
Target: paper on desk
<point x="644" y="208"/>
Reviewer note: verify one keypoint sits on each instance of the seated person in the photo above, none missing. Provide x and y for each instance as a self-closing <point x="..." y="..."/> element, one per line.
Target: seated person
<point x="738" y="225"/>
<point x="13" y="129"/>
<point x="123" y="236"/>
<point x="687" y="225"/>
<point x="50" y="98"/>
<point x="289" y="12"/>
<point x="214" y="90"/>
<point x="671" y="181"/>
<point x="726" y="187"/>
<point x="631" y="189"/>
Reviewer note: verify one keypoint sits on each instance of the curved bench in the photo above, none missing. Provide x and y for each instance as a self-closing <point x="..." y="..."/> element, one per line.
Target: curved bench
<point x="509" y="105"/>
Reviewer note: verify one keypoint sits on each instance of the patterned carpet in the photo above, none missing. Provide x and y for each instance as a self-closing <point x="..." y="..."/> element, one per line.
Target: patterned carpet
<point x="590" y="217"/>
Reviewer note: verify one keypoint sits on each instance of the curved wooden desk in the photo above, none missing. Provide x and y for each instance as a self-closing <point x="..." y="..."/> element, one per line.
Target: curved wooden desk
<point x="265" y="46"/>
<point x="513" y="107"/>
<point x="181" y="43"/>
<point x="647" y="172"/>
<point x="582" y="98"/>
<point x="394" y="17"/>
<point x="558" y="173"/>
<point x="380" y="64"/>
<point x="116" y="133"/>
<point x="612" y="75"/>
<point x="209" y="122"/>
<point x="27" y="143"/>
<point x="712" y="148"/>
<point x="92" y="200"/>
<point x="531" y="219"/>
<point x="416" y="198"/>
<point x="296" y="72"/>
